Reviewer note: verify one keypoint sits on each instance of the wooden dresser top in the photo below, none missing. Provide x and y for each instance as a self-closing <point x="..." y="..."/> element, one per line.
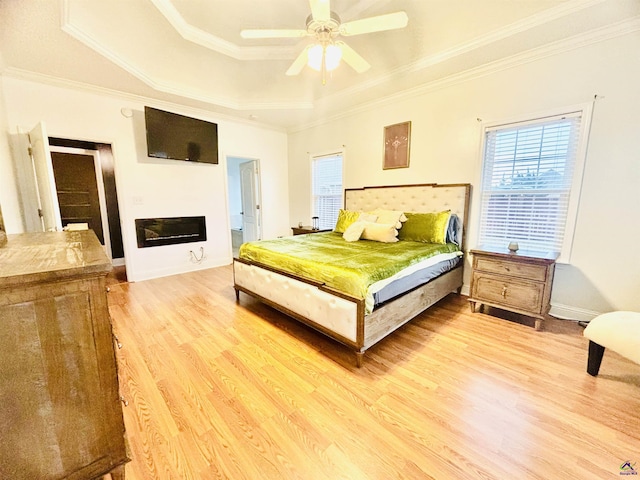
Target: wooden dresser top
<point x="547" y="257"/>
<point x="40" y="257"/>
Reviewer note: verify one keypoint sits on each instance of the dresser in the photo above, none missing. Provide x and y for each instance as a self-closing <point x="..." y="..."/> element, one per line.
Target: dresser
<point x="60" y="410"/>
<point x="520" y="282"/>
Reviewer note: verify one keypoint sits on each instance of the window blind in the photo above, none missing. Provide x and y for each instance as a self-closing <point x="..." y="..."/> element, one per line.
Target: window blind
<point x="528" y="171"/>
<point x="326" y="174"/>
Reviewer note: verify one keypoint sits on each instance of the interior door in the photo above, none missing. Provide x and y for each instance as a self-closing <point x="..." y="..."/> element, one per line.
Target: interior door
<point x="250" y="202"/>
<point x="49" y="210"/>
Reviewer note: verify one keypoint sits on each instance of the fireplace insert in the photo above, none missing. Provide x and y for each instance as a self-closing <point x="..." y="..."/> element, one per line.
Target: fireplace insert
<point x="153" y="232"/>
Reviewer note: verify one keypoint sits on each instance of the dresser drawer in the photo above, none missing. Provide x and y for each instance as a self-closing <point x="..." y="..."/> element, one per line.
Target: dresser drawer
<point x="520" y="294"/>
<point x="502" y="266"/>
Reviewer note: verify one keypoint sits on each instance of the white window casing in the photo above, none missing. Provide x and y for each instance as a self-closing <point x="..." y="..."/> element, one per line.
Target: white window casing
<point x="531" y="179"/>
<point x="326" y="188"/>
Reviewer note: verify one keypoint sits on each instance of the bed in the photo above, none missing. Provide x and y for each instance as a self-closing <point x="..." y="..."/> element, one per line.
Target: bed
<point x="342" y="309"/>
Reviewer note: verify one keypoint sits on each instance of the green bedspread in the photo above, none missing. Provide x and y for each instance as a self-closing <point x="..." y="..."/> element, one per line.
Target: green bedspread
<point x="349" y="267"/>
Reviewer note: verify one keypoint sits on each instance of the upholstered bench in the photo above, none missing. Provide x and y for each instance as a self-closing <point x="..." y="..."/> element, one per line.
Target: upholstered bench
<point x="618" y="331"/>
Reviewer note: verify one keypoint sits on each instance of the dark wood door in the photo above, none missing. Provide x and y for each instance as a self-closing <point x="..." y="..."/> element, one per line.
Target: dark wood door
<point x="77" y="190"/>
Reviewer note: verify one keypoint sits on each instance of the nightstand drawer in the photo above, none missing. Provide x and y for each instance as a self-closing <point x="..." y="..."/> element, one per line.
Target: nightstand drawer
<point x="502" y="266"/>
<point x="520" y="294"/>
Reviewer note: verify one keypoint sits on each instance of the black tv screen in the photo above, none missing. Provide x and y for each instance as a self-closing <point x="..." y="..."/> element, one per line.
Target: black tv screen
<point x="177" y="137"/>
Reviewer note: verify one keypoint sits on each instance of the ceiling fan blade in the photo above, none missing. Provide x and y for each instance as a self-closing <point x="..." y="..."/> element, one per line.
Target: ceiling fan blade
<point x="390" y="21"/>
<point x="299" y="63"/>
<point x="320" y="10"/>
<point x="351" y="57"/>
<point x="283" y="33"/>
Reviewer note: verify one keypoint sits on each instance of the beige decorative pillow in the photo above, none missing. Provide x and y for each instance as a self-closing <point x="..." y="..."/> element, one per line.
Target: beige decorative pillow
<point x="353" y="232"/>
<point x="380" y="232"/>
<point x="367" y="217"/>
<point x="393" y="217"/>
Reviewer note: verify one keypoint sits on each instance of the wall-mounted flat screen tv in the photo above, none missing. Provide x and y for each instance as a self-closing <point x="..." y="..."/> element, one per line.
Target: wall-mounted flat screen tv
<point x="177" y="137"/>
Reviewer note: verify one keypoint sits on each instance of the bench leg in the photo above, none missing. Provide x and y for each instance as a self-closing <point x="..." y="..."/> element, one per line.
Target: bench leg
<point x="595" y="358"/>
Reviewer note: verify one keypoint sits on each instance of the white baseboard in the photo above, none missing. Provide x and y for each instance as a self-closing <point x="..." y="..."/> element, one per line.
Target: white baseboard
<point x="569" y="312"/>
<point x="176" y="270"/>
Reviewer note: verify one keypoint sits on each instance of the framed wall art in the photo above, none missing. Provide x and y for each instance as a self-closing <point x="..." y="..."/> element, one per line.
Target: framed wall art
<point x="397" y="140"/>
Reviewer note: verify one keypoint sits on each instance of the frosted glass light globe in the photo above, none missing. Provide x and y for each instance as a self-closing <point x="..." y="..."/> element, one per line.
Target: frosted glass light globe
<point x="332" y="56"/>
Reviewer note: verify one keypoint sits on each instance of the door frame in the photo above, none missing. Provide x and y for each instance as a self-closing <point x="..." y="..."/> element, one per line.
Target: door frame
<point x="237" y="160"/>
<point x="100" y="186"/>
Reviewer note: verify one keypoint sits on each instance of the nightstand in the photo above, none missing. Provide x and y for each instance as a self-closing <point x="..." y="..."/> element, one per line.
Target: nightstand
<point x="519" y="282"/>
<point x="307" y="229"/>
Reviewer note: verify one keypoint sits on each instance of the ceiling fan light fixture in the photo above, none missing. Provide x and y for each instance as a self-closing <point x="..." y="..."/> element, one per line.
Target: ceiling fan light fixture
<point x="329" y="54"/>
<point x="326" y="53"/>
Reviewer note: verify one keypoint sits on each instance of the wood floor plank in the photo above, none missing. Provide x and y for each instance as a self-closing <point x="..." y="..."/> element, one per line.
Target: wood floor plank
<point x="226" y="390"/>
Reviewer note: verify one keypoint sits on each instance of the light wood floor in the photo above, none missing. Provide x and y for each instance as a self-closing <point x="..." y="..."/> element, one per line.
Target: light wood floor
<point x="219" y="390"/>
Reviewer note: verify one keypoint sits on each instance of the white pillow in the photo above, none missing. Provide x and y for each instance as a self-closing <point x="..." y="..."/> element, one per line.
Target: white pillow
<point x="367" y="217"/>
<point x="353" y="232"/>
<point x="393" y="217"/>
<point x="380" y="232"/>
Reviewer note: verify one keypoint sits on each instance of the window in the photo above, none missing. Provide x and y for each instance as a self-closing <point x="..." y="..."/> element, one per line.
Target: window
<point x="326" y="180"/>
<point x="531" y="182"/>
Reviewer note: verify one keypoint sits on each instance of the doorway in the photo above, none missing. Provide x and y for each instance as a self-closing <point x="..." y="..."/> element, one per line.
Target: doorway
<point x="77" y="189"/>
<point x="244" y="201"/>
<point x="91" y="168"/>
<point x="85" y="170"/>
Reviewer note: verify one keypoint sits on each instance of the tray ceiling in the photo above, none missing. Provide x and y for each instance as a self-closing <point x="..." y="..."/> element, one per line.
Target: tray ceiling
<point x="190" y="51"/>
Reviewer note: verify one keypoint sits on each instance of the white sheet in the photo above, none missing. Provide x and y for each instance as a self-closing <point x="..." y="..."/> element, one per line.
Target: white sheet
<point x="379" y="285"/>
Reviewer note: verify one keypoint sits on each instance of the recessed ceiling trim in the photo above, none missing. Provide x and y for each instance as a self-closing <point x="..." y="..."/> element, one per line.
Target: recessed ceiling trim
<point x="175" y="88"/>
<point x="93" y="44"/>
<point x="602" y="34"/>
<point x="29" y="76"/>
<point x="212" y="42"/>
<point x="342" y="97"/>
<point x="500" y="34"/>
<point x="533" y="21"/>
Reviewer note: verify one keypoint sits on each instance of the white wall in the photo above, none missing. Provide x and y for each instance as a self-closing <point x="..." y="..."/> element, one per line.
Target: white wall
<point x="604" y="273"/>
<point x="9" y="197"/>
<point x="150" y="187"/>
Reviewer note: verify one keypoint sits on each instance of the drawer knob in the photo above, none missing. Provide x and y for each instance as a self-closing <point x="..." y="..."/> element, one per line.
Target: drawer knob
<point x="504" y="291"/>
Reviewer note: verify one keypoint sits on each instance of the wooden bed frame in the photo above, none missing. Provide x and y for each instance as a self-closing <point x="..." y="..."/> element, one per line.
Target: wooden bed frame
<point x="341" y="316"/>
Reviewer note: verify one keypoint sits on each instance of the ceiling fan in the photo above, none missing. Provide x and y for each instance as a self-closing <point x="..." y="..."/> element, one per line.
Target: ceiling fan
<point x="326" y="52"/>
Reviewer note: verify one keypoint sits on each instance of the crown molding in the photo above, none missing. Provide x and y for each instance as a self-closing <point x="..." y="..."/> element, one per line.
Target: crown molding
<point x="198" y="36"/>
<point x="539" y="19"/>
<point x="203" y="38"/>
<point x="533" y="21"/>
<point x="599" y="35"/>
<point x="176" y="88"/>
<point x="212" y="42"/>
<point x="239" y="106"/>
<point x="52" y="81"/>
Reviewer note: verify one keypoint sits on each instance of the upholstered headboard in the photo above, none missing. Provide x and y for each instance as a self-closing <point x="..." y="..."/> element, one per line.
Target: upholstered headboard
<point x="413" y="198"/>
